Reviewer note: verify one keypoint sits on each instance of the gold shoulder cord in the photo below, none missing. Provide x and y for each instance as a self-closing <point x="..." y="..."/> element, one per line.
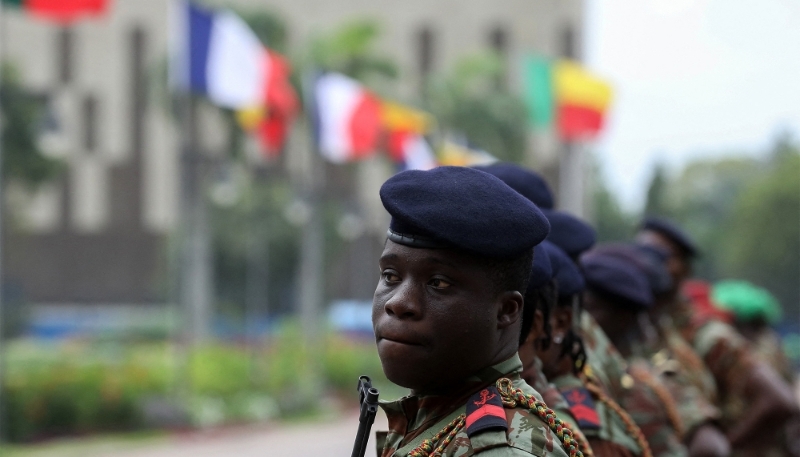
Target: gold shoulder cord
<point x="633" y="429"/>
<point x="661" y="392"/>
<point x="575" y="445"/>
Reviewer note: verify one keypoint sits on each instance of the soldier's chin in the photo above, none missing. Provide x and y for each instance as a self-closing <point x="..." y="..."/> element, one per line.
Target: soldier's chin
<point x="404" y="374"/>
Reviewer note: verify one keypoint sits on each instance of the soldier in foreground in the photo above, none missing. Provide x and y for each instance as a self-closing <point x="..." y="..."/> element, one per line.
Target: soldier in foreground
<point x="446" y="316"/>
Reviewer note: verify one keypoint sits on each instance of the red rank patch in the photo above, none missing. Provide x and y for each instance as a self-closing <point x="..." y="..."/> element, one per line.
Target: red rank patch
<point x="581" y="405"/>
<point x="485" y="411"/>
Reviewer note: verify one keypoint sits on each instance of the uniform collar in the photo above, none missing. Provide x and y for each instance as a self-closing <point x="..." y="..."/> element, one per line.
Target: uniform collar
<point x="414" y="414"/>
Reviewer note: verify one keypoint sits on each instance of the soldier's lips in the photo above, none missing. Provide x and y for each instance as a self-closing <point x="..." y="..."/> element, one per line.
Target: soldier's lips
<point x="404" y="338"/>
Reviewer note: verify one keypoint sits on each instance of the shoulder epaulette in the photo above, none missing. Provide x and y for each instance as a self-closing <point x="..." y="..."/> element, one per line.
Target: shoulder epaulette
<point x="484" y="411"/>
<point x="581" y="405"/>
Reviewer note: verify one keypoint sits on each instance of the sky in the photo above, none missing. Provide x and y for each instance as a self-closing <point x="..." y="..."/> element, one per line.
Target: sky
<point x="692" y="79"/>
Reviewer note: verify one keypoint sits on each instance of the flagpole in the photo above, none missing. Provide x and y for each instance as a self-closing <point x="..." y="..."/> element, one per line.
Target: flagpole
<point x="2" y="220"/>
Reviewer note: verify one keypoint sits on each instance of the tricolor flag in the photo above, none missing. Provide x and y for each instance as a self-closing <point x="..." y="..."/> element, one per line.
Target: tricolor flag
<point x="411" y="150"/>
<point x="217" y="55"/>
<point x="270" y="121"/>
<point x="64" y="11"/>
<point x="348" y="118"/>
<point x="457" y="155"/>
<point x="565" y="92"/>
<point x="405" y="141"/>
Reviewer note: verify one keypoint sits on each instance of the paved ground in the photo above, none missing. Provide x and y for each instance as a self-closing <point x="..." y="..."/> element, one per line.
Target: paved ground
<point x="328" y="438"/>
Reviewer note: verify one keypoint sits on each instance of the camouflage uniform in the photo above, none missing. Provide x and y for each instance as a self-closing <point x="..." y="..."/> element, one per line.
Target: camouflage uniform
<point x="551" y="395"/>
<point x="767" y="346"/>
<point x="724" y="351"/>
<point x="602" y="425"/>
<point x="684" y="374"/>
<point x="650" y="404"/>
<point x="415" y="418"/>
<point x="636" y="389"/>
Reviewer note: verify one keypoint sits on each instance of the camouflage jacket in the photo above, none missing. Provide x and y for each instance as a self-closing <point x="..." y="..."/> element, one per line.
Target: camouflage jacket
<point x="597" y="417"/>
<point x="724" y="351"/>
<point x="551" y="395"/>
<point x="415" y="418"/>
<point x="635" y="394"/>
<point x="684" y="374"/>
<point x="651" y="406"/>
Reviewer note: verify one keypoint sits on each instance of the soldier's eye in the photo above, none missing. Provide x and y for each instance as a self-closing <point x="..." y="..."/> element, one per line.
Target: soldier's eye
<point x="390" y="276"/>
<point x="439" y="283"/>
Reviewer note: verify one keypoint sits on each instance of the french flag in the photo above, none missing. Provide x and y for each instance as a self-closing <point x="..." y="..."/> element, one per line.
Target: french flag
<point x="411" y="150"/>
<point x="348" y="118"/>
<point x="216" y="54"/>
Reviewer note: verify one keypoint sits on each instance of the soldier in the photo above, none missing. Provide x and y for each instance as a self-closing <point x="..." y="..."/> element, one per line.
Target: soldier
<point x="754" y="310"/>
<point x="446" y="316"/>
<point x="678" y="367"/>
<point x="616" y="295"/>
<point x="739" y="375"/>
<point x="609" y="430"/>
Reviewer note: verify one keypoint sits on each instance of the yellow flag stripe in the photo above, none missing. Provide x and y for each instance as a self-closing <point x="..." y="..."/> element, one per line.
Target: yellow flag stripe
<point x="576" y="86"/>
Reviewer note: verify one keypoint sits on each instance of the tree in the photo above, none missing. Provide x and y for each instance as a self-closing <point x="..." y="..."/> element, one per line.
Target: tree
<point x="657" y="192"/>
<point x="350" y="50"/>
<point x="468" y="101"/>
<point x="762" y="237"/>
<point x="22" y="117"/>
<point x="609" y="219"/>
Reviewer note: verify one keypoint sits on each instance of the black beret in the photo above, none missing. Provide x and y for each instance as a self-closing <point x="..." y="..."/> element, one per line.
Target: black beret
<point x="542" y="271"/>
<point x="670" y="230"/>
<point x="565" y="272"/>
<point x="649" y="261"/>
<point x="527" y="182"/>
<point x="461" y="208"/>
<point x="569" y="233"/>
<point x="617" y="278"/>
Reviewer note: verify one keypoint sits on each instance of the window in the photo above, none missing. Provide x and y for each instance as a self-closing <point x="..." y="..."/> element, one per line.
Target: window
<point x="90" y="123"/>
<point x="567" y="42"/>
<point x="425" y="39"/>
<point x="65" y="46"/>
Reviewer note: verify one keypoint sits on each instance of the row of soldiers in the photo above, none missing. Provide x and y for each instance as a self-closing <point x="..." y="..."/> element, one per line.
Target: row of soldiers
<point x="517" y="335"/>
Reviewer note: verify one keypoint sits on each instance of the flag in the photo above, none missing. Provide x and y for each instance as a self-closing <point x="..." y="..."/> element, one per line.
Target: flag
<point x="567" y="95"/>
<point x="405" y="128"/>
<point x="454" y="154"/>
<point x="63" y="11"/>
<point x="411" y="150"/>
<point x="582" y="101"/>
<point x="217" y="55"/>
<point x="538" y="96"/>
<point x="348" y="118"/>
<point x="270" y="121"/>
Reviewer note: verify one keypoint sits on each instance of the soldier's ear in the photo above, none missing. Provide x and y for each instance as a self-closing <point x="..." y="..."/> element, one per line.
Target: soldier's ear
<point x="509" y="311"/>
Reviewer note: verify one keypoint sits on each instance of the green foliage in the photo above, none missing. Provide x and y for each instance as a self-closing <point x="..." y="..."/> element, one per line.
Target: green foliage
<point x="469" y="102"/>
<point x="610" y="221"/>
<point x="743" y="212"/>
<point x="269" y="27"/>
<point x="762" y="236"/>
<point x="350" y="49"/>
<point x="656" y="202"/>
<point x="253" y="229"/>
<point x="80" y="387"/>
<point x="22" y="114"/>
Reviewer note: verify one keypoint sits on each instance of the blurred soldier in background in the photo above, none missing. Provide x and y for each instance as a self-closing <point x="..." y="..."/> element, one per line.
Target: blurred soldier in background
<point x="617" y="295"/>
<point x="679" y="368"/>
<point x="609" y="429"/>
<point x="754" y="401"/>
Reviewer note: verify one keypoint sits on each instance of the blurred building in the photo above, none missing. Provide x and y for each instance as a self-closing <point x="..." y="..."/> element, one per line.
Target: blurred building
<point x="99" y="234"/>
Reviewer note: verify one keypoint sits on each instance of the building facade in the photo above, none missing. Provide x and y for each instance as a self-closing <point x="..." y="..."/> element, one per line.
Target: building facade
<point x="98" y="234"/>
